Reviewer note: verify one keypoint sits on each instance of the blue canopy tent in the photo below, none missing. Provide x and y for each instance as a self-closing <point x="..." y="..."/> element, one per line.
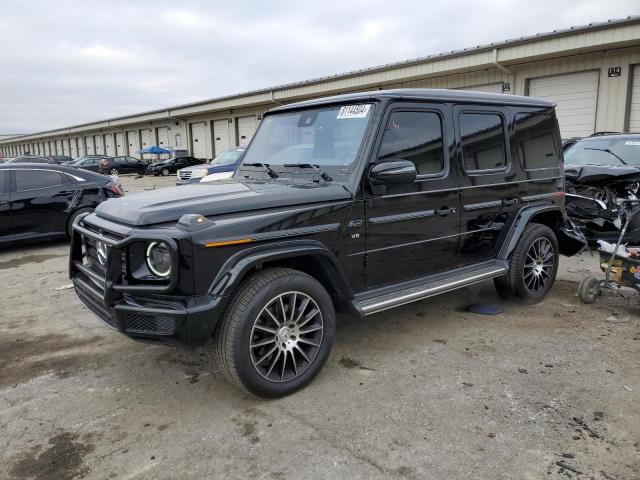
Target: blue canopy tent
<point x="155" y="150"/>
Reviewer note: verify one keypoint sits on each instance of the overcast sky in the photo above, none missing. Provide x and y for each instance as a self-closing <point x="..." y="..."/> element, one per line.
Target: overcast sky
<point x="69" y="62"/>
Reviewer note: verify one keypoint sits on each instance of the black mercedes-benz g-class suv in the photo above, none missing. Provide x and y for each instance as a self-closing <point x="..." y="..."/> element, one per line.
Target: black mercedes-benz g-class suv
<point x="356" y="203"/>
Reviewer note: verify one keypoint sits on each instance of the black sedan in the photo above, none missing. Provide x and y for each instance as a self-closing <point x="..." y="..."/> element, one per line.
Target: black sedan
<point x="172" y="165"/>
<point x="87" y="162"/>
<point x="41" y="201"/>
<point x="34" y="159"/>
<point x="122" y="164"/>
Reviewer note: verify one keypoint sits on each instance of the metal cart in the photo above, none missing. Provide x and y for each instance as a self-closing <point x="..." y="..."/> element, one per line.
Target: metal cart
<point x="620" y="271"/>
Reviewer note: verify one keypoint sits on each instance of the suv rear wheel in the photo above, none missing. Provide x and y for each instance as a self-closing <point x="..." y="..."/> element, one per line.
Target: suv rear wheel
<point x="276" y="334"/>
<point x="533" y="265"/>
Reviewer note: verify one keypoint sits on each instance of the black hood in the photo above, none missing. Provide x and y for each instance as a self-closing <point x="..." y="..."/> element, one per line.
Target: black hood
<point x="216" y="198"/>
<point x="599" y="174"/>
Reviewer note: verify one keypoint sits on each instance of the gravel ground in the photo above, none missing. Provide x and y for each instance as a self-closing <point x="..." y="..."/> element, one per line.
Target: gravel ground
<point x="424" y="391"/>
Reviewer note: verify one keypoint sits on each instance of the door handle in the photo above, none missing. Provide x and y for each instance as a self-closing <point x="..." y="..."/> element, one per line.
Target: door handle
<point x="443" y="212"/>
<point x="507" y="202"/>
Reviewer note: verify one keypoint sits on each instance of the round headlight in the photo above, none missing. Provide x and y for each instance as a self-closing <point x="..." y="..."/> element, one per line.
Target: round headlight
<point x="159" y="259"/>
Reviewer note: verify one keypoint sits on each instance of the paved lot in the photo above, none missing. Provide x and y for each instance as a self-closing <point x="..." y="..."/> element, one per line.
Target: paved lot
<point x="424" y="391"/>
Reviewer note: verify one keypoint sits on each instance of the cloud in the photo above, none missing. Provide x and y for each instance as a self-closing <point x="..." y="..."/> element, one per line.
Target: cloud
<point x="72" y="62"/>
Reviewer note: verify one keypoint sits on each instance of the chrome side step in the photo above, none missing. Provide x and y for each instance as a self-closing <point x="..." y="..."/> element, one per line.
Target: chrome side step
<point x="389" y="300"/>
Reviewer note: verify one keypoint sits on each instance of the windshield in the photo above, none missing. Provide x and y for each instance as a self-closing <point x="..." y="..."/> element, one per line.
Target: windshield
<point x="605" y="151"/>
<point x="328" y="137"/>
<point x="228" y="157"/>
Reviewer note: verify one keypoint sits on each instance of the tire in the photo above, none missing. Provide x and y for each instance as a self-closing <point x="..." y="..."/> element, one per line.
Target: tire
<point x="589" y="289"/>
<point x="263" y="369"/>
<point x="165" y="172"/>
<point x="73" y="217"/>
<point x="531" y="275"/>
<point x="114" y="171"/>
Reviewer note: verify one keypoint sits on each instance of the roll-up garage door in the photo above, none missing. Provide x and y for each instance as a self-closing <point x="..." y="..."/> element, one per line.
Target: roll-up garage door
<point x="163" y="137"/>
<point x="220" y="136"/>
<point x="73" y="147"/>
<point x="576" y="96"/>
<point x="65" y="147"/>
<point x="82" y="148"/>
<point x="133" y="143"/>
<point x="199" y="139"/>
<point x="634" y="107"/>
<point x="98" y="145"/>
<point x="121" y="147"/>
<point x="246" y="127"/>
<point x="91" y="148"/>
<point x="59" y="148"/>
<point x="146" y="138"/>
<point x="488" y="87"/>
<point x="108" y="145"/>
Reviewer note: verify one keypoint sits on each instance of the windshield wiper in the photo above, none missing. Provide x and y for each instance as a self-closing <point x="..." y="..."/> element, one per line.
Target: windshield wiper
<point x="315" y="168"/>
<point x="266" y="166"/>
<point x="606" y="150"/>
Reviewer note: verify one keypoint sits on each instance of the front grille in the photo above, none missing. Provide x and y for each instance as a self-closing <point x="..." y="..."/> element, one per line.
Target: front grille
<point x="147" y="324"/>
<point x="92" y="259"/>
<point x="184" y="174"/>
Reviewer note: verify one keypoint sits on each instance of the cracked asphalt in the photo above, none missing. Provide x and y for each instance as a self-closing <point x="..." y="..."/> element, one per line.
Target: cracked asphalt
<point x="424" y="391"/>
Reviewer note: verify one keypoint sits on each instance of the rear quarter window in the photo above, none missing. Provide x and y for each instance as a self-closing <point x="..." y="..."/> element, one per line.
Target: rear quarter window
<point x="36" y="179"/>
<point x="482" y="137"/>
<point x="536" y="142"/>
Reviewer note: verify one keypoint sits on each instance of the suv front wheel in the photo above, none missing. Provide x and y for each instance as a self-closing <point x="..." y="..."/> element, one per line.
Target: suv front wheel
<point x="276" y="334"/>
<point x="533" y="265"/>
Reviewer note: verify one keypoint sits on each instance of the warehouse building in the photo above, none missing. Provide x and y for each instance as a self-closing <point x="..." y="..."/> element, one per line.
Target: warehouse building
<point x="592" y="72"/>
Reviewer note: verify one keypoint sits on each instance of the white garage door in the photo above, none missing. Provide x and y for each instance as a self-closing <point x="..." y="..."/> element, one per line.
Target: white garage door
<point x="73" y="147"/>
<point x="634" y="108"/>
<point x="246" y="128"/>
<point x="121" y="146"/>
<point x="82" y="148"/>
<point x="163" y="137"/>
<point x="91" y="148"/>
<point x="133" y="143"/>
<point x="108" y="145"/>
<point x="146" y="138"/>
<point x="220" y="136"/>
<point x="576" y="95"/>
<point x="98" y="144"/>
<point x="199" y="139"/>
<point x="489" y="87"/>
<point x="59" y="149"/>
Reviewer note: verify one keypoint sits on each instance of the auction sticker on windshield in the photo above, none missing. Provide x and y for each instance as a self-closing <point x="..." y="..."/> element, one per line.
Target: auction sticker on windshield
<point x="353" y="111"/>
<point x="632" y="142"/>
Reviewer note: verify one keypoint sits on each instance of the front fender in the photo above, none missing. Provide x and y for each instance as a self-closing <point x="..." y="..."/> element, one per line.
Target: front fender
<point x="236" y="268"/>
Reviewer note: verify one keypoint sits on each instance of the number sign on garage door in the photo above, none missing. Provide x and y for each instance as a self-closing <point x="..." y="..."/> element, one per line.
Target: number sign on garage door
<point x="634" y="107"/>
<point x="220" y="136"/>
<point x="246" y="128"/>
<point x="199" y="139"/>
<point x="163" y="137"/>
<point x="576" y="96"/>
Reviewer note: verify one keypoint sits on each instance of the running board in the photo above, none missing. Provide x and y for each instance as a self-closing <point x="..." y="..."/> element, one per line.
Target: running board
<point x="414" y="293"/>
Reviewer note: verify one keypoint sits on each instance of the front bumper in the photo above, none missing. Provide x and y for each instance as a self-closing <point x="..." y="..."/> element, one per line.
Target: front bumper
<point x="188" y="181"/>
<point x="144" y="312"/>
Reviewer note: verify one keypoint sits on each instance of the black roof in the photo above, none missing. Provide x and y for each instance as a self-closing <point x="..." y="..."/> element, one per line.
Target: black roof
<point x="428" y="94"/>
<point x="78" y="172"/>
<point x="613" y="136"/>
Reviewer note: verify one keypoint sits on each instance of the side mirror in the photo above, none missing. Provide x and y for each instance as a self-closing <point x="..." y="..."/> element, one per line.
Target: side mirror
<point x="396" y="172"/>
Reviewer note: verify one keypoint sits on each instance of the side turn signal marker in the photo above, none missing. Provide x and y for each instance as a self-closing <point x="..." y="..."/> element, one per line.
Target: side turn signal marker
<point x="228" y="242"/>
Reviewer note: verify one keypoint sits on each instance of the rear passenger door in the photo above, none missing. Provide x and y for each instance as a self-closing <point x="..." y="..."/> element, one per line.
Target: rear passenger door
<point x="40" y="201"/>
<point x="411" y="229"/>
<point x="489" y="186"/>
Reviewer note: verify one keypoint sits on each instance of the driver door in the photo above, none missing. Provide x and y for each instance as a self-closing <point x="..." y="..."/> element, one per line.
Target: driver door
<point x="412" y="229"/>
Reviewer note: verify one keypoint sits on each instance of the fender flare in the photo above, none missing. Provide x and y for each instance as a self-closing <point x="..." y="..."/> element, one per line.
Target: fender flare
<point x="522" y="219"/>
<point x="236" y="267"/>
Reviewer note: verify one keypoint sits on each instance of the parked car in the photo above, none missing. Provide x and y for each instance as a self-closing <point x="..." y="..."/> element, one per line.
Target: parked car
<point x="436" y="189"/>
<point x="221" y="167"/>
<point x="88" y="162"/>
<point x="172" y="165"/>
<point x="61" y="159"/>
<point x="122" y="164"/>
<point x="603" y="176"/>
<point x="34" y="159"/>
<point x="41" y="201"/>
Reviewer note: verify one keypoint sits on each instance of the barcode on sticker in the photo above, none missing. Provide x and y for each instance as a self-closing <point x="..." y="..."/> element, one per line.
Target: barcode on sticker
<point x="353" y="111"/>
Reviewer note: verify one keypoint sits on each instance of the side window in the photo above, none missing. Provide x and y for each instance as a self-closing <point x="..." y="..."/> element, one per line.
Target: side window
<point x="35" y="179"/>
<point x="535" y="140"/>
<point x="120" y="161"/>
<point x="483" y="146"/>
<point x="414" y="136"/>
